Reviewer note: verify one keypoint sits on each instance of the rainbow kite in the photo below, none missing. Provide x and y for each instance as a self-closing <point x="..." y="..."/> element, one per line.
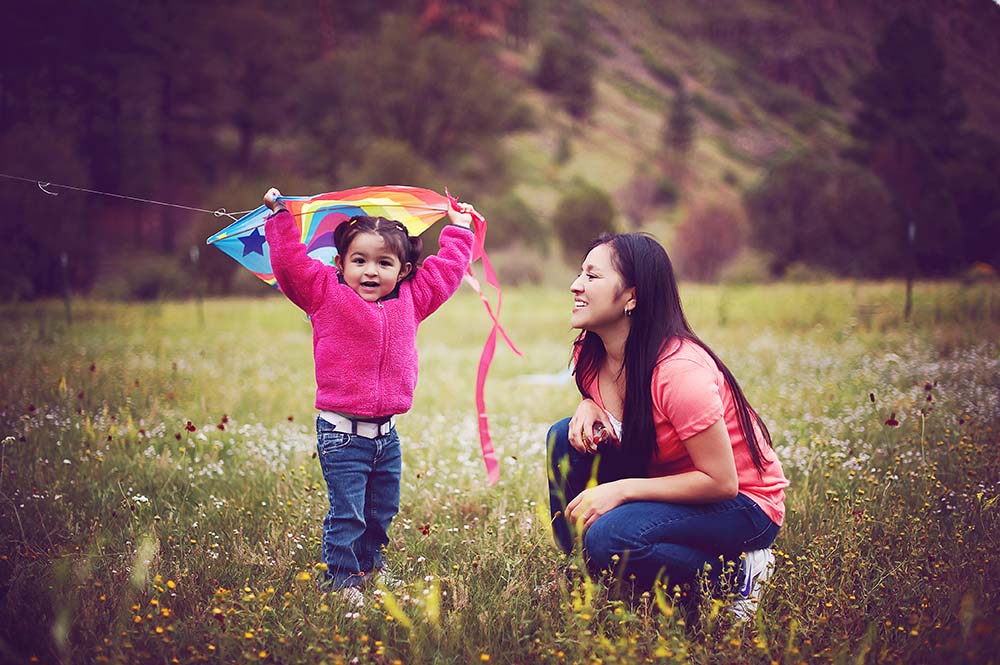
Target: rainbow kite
<point x="418" y="209"/>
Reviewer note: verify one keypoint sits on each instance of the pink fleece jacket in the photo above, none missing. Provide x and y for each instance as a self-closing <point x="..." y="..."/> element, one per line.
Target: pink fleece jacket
<point x="365" y="352"/>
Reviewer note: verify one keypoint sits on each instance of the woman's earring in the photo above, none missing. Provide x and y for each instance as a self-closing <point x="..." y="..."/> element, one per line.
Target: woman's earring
<point x="628" y="312"/>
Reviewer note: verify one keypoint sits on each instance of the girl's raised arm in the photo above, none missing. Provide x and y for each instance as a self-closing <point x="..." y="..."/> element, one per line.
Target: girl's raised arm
<point x="302" y="278"/>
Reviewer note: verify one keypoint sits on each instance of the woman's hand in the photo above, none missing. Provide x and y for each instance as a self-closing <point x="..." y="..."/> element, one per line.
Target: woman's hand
<point x="594" y="502"/>
<point x="271" y="199"/>
<point x="590" y="426"/>
<point x="462" y="216"/>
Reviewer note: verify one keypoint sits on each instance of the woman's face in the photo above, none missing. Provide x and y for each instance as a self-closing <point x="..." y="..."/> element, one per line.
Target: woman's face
<point x="599" y="297"/>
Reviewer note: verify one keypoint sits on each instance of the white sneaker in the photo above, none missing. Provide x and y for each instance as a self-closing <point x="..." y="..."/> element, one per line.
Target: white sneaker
<point x="352" y="596"/>
<point x="757" y="567"/>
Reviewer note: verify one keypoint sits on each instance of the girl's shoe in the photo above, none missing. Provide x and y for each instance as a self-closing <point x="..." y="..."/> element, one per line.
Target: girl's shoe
<point x="757" y="567"/>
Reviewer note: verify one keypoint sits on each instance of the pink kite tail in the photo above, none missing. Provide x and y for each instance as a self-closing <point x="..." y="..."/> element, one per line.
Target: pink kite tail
<point x="489" y="348"/>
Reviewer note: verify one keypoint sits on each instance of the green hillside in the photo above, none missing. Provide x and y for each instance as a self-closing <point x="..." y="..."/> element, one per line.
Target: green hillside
<point x="765" y="79"/>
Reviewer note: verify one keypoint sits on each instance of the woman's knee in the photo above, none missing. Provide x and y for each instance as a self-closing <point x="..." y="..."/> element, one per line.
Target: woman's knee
<point x="557" y="439"/>
<point x="604" y="541"/>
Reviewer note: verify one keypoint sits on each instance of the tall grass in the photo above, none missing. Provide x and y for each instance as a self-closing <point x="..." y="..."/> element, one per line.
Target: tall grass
<point x="160" y="500"/>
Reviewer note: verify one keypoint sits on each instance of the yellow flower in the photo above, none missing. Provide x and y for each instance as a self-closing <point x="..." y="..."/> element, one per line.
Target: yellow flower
<point x="248" y="634"/>
<point x="484" y="657"/>
<point x="303" y="576"/>
<point x="171" y="584"/>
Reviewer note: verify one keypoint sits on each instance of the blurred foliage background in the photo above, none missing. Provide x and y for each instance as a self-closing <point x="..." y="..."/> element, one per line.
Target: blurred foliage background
<point x="770" y="140"/>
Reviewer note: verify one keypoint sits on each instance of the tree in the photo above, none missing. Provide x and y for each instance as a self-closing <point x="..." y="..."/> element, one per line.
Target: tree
<point x="826" y="212"/>
<point x="678" y="134"/>
<point x="567" y="69"/>
<point x="908" y="127"/>
<point x="439" y="95"/>
<point x="583" y="213"/>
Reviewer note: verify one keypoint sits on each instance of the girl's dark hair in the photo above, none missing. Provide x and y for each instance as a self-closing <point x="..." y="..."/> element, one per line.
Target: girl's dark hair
<point x="657" y="318"/>
<point x="406" y="247"/>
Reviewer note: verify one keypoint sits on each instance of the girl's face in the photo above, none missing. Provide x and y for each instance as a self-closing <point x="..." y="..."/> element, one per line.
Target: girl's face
<point x="370" y="267"/>
<point x="599" y="297"/>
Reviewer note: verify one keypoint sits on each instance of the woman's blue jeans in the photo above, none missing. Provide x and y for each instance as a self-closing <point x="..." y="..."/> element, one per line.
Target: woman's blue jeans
<point x="362" y="481"/>
<point x="652" y="539"/>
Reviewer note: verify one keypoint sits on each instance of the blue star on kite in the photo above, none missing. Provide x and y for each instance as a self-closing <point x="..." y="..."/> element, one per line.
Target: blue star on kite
<point x="253" y="243"/>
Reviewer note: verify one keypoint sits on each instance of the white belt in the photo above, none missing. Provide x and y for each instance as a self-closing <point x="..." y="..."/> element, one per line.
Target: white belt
<point x="359" y="426"/>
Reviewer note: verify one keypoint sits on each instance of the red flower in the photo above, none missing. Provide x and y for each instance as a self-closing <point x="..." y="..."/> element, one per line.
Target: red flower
<point x="892" y="422"/>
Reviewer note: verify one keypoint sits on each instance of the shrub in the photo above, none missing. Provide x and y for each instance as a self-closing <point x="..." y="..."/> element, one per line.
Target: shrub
<point x="517" y="264"/>
<point x="143" y="277"/>
<point x="706" y="241"/>
<point x="583" y="213"/>
<point x="389" y="161"/>
<point x="747" y="267"/>
<point x="828" y="213"/>
<point x="513" y="222"/>
<point x="667" y="193"/>
<point x="566" y="69"/>
<point x="804" y="272"/>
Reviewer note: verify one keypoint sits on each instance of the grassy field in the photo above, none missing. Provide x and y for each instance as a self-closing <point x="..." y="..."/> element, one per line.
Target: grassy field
<point x="160" y="500"/>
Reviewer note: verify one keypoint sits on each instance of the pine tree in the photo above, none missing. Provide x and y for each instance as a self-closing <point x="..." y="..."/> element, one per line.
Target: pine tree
<point x="679" y="130"/>
<point x="908" y="127"/>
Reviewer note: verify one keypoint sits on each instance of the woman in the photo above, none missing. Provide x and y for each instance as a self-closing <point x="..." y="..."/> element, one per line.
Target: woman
<point x="684" y="466"/>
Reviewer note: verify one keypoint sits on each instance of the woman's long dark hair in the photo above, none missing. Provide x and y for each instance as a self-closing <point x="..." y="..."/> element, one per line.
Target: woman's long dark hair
<point x="657" y="318"/>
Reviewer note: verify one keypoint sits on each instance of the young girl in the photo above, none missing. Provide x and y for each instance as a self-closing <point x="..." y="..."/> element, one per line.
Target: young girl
<point x="364" y="314"/>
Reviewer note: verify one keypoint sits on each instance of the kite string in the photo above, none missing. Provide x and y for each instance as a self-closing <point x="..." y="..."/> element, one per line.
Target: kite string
<point x="42" y="184"/>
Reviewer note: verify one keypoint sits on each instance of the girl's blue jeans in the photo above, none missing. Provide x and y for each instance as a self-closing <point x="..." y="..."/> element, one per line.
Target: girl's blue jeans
<point x="652" y="538"/>
<point x="362" y="481"/>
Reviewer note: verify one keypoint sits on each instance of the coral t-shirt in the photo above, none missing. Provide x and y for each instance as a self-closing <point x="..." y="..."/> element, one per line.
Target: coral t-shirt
<point x="689" y="395"/>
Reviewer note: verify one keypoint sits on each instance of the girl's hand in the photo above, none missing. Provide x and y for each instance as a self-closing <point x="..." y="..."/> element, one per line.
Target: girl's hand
<point x="462" y="216"/>
<point x="594" y="502"/>
<point x="589" y="427"/>
<point x="271" y="199"/>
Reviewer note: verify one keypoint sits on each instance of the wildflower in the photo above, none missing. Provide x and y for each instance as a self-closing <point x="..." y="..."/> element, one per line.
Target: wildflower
<point x="303" y="576"/>
<point x="892" y="422"/>
<point x="484" y="657"/>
